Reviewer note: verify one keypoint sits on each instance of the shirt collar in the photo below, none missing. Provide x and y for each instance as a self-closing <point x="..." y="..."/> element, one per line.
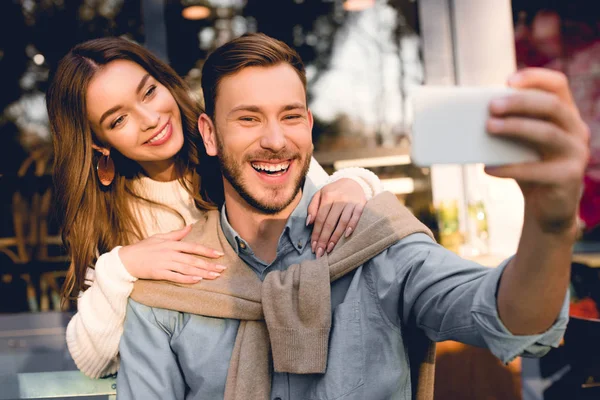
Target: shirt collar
<point x="295" y="230"/>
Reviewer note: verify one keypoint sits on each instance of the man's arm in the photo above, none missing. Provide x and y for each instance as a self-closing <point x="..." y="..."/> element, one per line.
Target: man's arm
<point x="533" y="286"/>
<point x="149" y="368"/>
<point x="420" y="283"/>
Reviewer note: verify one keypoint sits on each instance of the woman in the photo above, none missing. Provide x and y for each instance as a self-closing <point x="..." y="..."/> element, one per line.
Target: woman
<point x="129" y="166"/>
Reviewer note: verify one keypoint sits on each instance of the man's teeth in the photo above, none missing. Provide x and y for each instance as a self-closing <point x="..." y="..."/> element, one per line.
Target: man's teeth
<point x="160" y="135"/>
<point x="271" y="167"/>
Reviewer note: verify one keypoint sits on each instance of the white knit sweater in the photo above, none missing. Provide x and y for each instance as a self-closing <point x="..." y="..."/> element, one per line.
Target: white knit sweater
<point x="94" y="332"/>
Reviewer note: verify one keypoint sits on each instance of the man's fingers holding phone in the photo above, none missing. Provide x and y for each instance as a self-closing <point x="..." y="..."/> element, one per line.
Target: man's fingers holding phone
<point x="557" y="84"/>
<point x="534" y="103"/>
<point x="547" y="138"/>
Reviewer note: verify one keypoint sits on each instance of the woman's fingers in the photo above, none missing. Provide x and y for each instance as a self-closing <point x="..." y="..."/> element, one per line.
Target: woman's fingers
<point x="172" y="276"/>
<point x="319" y="224"/>
<point x="328" y="222"/>
<point x="313" y="207"/>
<point x="197" y="249"/>
<point x="356" y="214"/>
<point x="188" y="270"/>
<point x="198" y="266"/>
<point x="342" y="225"/>
<point x="335" y="207"/>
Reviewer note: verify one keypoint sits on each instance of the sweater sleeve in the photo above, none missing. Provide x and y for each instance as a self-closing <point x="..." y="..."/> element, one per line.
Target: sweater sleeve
<point x="316" y="173"/>
<point x="367" y="180"/>
<point x="94" y="332"/>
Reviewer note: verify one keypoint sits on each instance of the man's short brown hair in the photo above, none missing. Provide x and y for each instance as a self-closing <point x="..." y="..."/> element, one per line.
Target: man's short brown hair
<point x="249" y="50"/>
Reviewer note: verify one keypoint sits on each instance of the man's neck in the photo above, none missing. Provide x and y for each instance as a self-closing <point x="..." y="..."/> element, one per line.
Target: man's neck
<point x="261" y="231"/>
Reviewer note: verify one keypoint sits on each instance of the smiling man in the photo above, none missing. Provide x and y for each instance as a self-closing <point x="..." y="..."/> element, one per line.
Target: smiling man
<point x="269" y="177"/>
<point x="262" y="136"/>
<point x="259" y="126"/>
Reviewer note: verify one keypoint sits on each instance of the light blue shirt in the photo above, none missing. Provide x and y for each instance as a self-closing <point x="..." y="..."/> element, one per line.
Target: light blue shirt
<point x="415" y="283"/>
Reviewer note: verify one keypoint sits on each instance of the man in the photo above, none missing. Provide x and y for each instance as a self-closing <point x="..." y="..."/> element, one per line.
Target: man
<point x="257" y="123"/>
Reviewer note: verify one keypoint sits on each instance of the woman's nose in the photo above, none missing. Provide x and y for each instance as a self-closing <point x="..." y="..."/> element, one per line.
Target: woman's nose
<point x="150" y="118"/>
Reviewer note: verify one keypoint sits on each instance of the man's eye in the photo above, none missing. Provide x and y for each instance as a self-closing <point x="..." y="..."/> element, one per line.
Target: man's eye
<point x="248" y="119"/>
<point x="294" y="116"/>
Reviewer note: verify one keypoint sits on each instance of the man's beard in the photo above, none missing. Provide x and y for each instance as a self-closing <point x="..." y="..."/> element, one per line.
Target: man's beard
<point x="232" y="171"/>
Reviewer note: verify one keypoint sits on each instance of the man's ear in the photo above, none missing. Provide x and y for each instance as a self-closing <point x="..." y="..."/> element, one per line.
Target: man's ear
<point x="99" y="149"/>
<point x="208" y="132"/>
<point x="310" y="123"/>
<point x="310" y="119"/>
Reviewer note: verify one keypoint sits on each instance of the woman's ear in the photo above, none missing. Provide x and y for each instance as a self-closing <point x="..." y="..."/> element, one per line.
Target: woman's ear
<point x="99" y="149"/>
<point x="208" y="132"/>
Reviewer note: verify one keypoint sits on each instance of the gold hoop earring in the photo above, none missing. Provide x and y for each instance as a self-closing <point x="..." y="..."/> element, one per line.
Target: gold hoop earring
<point x="105" y="170"/>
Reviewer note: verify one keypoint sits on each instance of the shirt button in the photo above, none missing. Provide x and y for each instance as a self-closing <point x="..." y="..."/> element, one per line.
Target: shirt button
<point x="300" y="244"/>
<point x="243" y="247"/>
<point x="277" y="398"/>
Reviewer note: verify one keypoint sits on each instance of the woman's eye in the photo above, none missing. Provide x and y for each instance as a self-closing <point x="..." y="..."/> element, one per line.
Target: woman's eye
<point x="117" y="121"/>
<point x="150" y="91"/>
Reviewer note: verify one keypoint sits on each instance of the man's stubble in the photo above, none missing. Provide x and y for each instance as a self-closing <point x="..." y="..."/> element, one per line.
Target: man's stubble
<point x="232" y="171"/>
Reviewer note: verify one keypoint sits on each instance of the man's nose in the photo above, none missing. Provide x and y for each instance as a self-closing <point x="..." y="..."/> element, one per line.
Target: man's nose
<point x="149" y="118"/>
<point x="273" y="137"/>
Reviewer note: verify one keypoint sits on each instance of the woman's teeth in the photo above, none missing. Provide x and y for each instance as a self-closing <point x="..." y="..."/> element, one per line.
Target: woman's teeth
<point x="161" y="135"/>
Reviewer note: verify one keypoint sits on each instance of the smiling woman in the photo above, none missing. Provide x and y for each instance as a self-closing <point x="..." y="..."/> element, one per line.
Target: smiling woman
<point x="132" y="174"/>
<point x="133" y="113"/>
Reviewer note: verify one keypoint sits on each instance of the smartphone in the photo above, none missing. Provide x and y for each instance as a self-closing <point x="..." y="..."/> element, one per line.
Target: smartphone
<point x="449" y="128"/>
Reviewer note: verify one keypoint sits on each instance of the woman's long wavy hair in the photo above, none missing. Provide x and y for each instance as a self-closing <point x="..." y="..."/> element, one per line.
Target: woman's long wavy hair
<point x="95" y="219"/>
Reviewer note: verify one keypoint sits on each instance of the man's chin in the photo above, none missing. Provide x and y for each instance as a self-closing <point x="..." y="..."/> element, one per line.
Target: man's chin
<point x="271" y="201"/>
<point x="270" y="206"/>
<point x="267" y="196"/>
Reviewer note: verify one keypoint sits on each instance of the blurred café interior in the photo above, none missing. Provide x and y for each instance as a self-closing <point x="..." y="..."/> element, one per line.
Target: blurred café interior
<point x="364" y="58"/>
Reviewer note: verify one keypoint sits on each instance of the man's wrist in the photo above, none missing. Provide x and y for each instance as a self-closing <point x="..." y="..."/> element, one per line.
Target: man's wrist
<point x="564" y="229"/>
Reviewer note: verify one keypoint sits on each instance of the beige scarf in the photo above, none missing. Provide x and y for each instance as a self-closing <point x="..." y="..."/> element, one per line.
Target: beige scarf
<point x="289" y="314"/>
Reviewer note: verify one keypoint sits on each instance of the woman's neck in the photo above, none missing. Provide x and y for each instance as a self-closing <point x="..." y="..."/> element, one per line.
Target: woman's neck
<point x="162" y="171"/>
